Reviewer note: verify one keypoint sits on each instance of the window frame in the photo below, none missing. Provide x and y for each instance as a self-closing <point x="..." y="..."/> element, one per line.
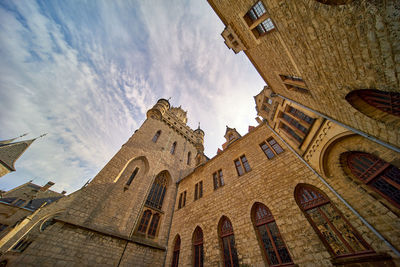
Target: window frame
<point x="241" y="164"/>
<point x="271" y="147"/>
<point x="176" y="251"/>
<point x="156" y="136"/>
<point x="228" y="234"/>
<point x="218" y="179"/>
<point x="197" y="243"/>
<point x="173" y="148"/>
<point x="320" y="201"/>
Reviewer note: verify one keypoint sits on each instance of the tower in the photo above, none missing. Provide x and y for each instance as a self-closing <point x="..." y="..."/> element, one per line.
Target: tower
<point x="123" y="215"/>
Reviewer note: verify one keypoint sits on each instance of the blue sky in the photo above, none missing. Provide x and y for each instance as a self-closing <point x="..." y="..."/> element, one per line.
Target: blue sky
<point x="85" y="72"/>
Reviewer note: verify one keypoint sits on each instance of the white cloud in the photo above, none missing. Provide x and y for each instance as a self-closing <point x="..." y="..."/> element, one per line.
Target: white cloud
<point x="87" y="74"/>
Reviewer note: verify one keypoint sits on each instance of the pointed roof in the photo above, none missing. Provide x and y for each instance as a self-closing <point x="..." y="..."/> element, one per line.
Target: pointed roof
<point x="9" y="153"/>
<point x="8" y="141"/>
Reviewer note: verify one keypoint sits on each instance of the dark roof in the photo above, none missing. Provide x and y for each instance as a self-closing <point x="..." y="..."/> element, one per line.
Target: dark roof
<point x="34" y="204"/>
<point x="9" y="153"/>
<point x="8" y="199"/>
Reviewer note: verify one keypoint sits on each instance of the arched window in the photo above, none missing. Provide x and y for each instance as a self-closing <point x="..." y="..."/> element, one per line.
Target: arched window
<point x="375" y="104"/>
<point x="274" y="247"/>
<point x="173" y="147"/>
<point x="198" y="247"/>
<point x="156" y="196"/>
<point x="153" y="225"/>
<point x="144" y="222"/>
<point x="156" y="136"/>
<point x="189" y="158"/>
<point x="177" y="247"/>
<point x="335" y="232"/>
<point x="132" y="176"/>
<point x="228" y="243"/>
<point x="381" y="176"/>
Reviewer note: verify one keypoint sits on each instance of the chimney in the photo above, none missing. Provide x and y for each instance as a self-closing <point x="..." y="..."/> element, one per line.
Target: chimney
<point x="47" y="186"/>
<point x="63" y="192"/>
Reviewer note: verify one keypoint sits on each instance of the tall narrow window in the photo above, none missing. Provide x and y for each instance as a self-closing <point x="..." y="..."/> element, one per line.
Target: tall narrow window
<point x="198" y="247"/>
<point x="175" y="255"/>
<point x="335" y="232"/>
<point x="242" y="165"/>
<point x="144" y="222"/>
<point x="184" y="199"/>
<point x="271" y="148"/>
<point x="156" y="136"/>
<point x="153" y="225"/>
<point x="381" y="176"/>
<point x="132" y="176"/>
<point x="189" y="158"/>
<point x="228" y="242"/>
<point x="156" y="196"/>
<point x="173" y="147"/>
<point x="272" y="243"/>
<point x="198" y="190"/>
<point x="180" y="201"/>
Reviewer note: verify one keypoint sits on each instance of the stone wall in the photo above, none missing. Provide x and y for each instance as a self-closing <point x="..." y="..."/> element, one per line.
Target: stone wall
<point x="335" y="49"/>
<point x="272" y="183"/>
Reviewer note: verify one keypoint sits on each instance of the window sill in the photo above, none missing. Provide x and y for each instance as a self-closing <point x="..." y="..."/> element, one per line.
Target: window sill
<point x="370" y="257"/>
<point x="245" y="173"/>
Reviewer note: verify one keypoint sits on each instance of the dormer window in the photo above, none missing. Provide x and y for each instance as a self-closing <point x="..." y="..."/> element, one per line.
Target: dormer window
<point x="232" y="40"/>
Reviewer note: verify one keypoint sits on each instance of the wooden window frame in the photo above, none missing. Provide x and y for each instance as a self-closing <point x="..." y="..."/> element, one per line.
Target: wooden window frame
<point x="294" y="83"/>
<point x="241" y="164"/>
<point x="218" y="179"/>
<point x="176" y="250"/>
<point x="321" y="200"/>
<point x="375" y="171"/>
<point x="271" y="147"/>
<point x="198" y="240"/>
<point x="226" y="234"/>
<point x="269" y="218"/>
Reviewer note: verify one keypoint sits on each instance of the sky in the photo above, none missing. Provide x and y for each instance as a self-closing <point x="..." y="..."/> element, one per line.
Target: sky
<point x="86" y="72"/>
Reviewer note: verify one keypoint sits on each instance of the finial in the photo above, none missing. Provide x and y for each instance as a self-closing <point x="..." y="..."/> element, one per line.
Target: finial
<point x="169" y="98"/>
<point x="41" y="136"/>
<point x="199" y="126"/>
<point x="23" y="135"/>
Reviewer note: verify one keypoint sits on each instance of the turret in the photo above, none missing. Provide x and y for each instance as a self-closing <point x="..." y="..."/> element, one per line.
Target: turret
<point x="200" y="139"/>
<point x="158" y="109"/>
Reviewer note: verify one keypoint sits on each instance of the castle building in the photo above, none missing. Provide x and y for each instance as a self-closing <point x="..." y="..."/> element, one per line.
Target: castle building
<point x="315" y="183"/>
<point x="20" y="202"/>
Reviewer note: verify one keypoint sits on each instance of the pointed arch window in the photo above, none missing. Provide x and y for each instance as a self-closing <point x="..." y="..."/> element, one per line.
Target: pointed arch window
<point x="156" y="136"/>
<point x="132" y="176"/>
<point x="175" y="256"/>
<point x="189" y="158"/>
<point x="144" y="222"/>
<point x="198" y="247"/>
<point x="173" y="148"/>
<point x="153" y="225"/>
<point x="228" y="243"/>
<point x="381" y="176"/>
<point x="157" y="193"/>
<point x="375" y="103"/>
<point x="273" y="245"/>
<point x="335" y="232"/>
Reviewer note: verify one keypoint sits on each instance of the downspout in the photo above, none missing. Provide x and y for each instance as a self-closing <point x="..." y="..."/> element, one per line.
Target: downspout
<point x="337" y="195"/>
<point x="394" y="148"/>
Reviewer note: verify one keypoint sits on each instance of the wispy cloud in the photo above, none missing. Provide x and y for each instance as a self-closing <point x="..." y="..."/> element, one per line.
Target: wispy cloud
<point x="87" y="72"/>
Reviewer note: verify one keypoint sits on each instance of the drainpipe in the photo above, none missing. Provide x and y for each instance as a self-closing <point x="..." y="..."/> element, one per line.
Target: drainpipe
<point x="337" y="194"/>
<point x="394" y="148"/>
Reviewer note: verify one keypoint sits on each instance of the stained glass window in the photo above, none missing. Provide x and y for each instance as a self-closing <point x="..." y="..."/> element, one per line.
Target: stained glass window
<point x="383" y="177"/>
<point x="274" y="247"/>
<point x="198" y="247"/>
<point x="177" y="247"/>
<point x="228" y="243"/>
<point x="153" y="225"/>
<point x="388" y="102"/>
<point x="337" y="234"/>
<point x="157" y="193"/>
<point x="144" y="222"/>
